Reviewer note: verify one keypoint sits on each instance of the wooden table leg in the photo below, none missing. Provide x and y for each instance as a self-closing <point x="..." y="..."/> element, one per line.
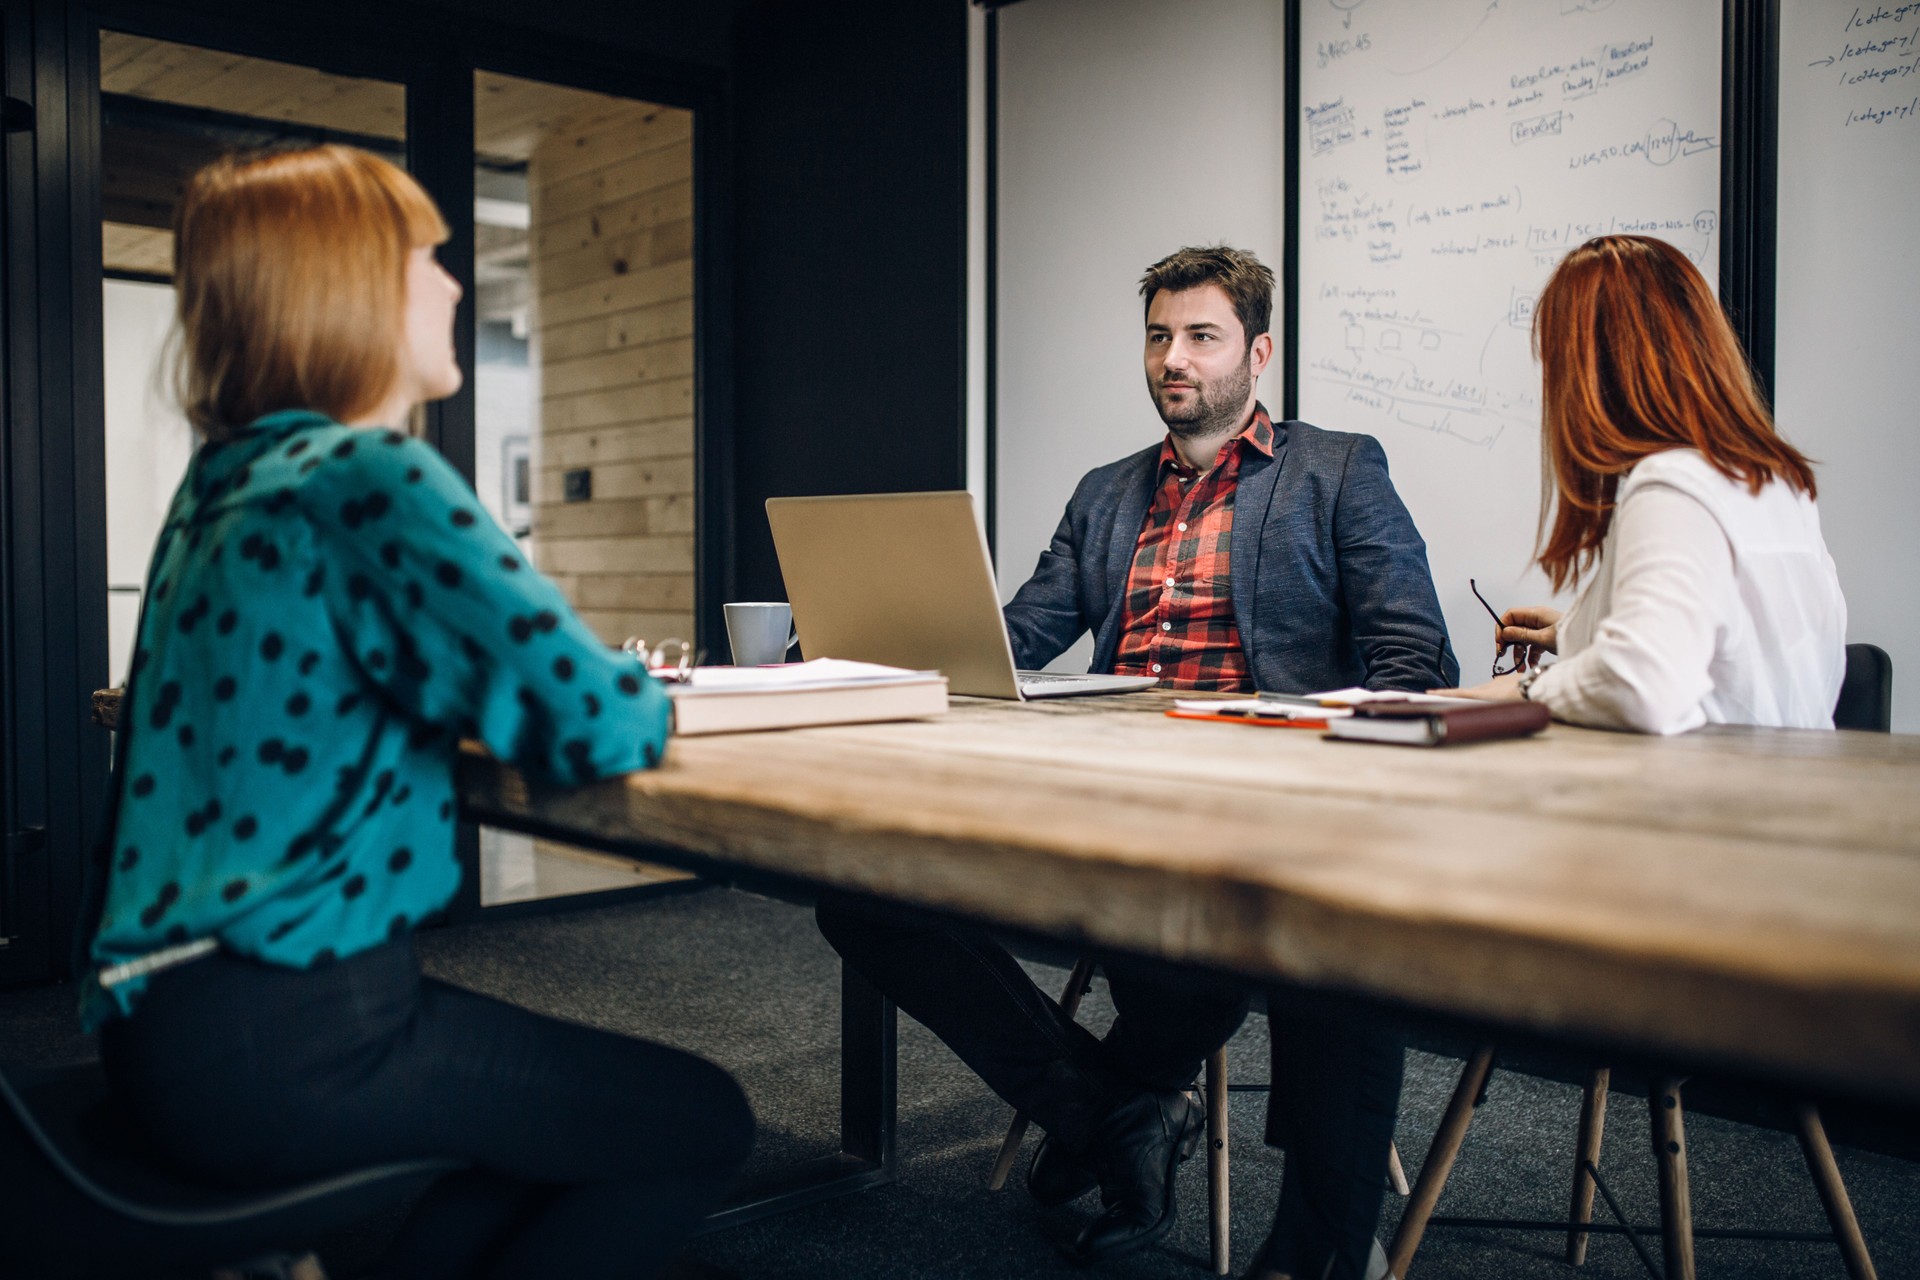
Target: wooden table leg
<point x="1670" y="1152"/>
<point x="868" y="1071"/>
<point x="1439" y="1161"/>
<point x="867" y="1113"/>
<point x="1586" y="1154"/>
<point x="1218" y="1199"/>
<point x="1833" y="1192"/>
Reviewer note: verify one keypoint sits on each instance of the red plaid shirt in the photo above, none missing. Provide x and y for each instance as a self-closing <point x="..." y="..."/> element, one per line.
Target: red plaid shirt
<point x="1177" y="618"/>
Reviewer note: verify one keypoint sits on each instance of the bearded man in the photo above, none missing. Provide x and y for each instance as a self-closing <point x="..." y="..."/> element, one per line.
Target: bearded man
<point x="1235" y="554"/>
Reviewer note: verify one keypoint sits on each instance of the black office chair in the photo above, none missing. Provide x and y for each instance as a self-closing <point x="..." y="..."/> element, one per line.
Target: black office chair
<point x="1866" y="692"/>
<point x="83" y="1200"/>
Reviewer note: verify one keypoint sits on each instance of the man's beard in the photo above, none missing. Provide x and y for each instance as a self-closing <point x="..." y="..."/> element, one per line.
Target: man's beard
<point x="1212" y="408"/>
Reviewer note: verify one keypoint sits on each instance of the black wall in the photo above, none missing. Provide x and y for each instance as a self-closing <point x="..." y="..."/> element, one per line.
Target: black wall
<point x="694" y="31"/>
<point x="849" y="345"/>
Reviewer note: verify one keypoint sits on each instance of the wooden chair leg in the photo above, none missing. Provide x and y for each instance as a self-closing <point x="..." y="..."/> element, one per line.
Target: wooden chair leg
<point x="1077" y="983"/>
<point x="1439" y="1162"/>
<point x="1670" y="1151"/>
<point x="1586" y="1153"/>
<point x="1833" y="1192"/>
<point x="1396" y="1172"/>
<point x="1218" y="1216"/>
<point x="1009" y="1149"/>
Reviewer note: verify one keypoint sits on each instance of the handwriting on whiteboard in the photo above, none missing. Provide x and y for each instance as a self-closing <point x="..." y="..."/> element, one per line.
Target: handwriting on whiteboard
<point x="1871" y="71"/>
<point x="1439" y="192"/>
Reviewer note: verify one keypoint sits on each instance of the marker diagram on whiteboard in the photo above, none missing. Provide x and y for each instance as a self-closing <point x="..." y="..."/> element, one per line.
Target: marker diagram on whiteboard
<point x="1451" y="152"/>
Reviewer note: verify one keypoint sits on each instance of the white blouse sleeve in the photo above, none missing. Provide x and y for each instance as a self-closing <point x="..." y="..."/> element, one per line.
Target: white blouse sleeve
<point x="1673" y="589"/>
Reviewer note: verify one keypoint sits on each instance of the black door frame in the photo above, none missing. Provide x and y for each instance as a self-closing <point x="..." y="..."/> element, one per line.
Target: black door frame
<point x="56" y="763"/>
<point x="52" y="485"/>
<point x="24" y="881"/>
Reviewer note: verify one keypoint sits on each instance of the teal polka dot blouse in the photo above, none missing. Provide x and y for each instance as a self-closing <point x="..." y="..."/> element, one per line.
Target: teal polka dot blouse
<point x="328" y="613"/>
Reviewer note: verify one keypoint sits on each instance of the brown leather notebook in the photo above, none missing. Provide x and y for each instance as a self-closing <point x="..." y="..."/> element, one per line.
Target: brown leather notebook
<point x="1413" y="725"/>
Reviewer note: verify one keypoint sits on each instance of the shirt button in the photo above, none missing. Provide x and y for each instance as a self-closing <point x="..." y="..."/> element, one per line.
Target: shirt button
<point x="1169" y="581"/>
<point x="1182" y="526"/>
<point x="1156" y="668"/>
<point x="1166" y="626"/>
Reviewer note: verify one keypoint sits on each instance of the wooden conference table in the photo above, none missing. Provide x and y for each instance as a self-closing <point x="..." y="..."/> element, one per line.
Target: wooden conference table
<point x="1745" y="899"/>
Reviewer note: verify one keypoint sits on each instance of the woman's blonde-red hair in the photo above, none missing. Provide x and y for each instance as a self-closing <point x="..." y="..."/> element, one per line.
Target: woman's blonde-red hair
<point x="1637" y="357"/>
<point x="290" y="269"/>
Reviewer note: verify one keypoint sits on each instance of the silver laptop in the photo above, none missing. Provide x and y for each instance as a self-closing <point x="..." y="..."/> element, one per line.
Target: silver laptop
<point x="903" y="578"/>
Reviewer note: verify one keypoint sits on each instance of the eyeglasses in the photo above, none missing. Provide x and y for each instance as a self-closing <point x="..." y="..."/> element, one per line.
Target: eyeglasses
<point x="1501" y="652"/>
<point x="672" y="660"/>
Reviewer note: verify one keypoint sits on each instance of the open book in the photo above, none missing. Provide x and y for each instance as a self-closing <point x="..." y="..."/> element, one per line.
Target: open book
<point x="824" y="691"/>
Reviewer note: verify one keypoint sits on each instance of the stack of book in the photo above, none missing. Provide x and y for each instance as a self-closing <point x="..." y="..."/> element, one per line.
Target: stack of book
<point x="824" y="691"/>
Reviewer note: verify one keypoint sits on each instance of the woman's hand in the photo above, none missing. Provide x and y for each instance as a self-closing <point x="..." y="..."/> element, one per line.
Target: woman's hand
<point x="1504" y="688"/>
<point x="1532" y="629"/>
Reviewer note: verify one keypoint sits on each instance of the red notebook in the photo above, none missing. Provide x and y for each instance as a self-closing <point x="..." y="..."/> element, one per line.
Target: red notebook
<point x="1411" y="724"/>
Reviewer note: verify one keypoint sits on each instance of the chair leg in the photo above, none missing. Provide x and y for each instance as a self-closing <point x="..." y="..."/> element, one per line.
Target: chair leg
<point x="1077" y="983"/>
<point x="1670" y="1151"/>
<point x="1833" y="1192"/>
<point x="1586" y="1154"/>
<point x="1439" y="1162"/>
<point x="1396" y="1172"/>
<point x="1009" y="1149"/>
<point x="1218" y="1199"/>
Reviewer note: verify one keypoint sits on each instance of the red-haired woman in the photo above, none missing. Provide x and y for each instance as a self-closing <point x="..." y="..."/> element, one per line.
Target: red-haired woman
<point x="1710" y="598"/>
<point x="329" y="612"/>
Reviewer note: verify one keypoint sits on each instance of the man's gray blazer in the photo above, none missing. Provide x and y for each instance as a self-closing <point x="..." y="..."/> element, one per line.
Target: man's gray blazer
<point x="1330" y="579"/>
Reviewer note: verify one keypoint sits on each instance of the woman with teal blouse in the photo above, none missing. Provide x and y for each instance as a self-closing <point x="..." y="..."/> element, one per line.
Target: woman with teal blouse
<point x="329" y="611"/>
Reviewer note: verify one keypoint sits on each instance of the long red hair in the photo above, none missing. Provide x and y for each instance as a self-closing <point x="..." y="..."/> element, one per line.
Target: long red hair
<point x="1637" y="357"/>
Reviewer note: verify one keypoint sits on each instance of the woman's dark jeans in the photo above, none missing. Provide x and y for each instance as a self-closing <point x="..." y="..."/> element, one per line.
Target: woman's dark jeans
<point x="592" y="1153"/>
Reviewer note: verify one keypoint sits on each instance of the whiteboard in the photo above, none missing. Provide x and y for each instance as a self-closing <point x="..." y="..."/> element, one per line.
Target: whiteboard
<point x="1848" y="283"/>
<point x="1451" y="152"/>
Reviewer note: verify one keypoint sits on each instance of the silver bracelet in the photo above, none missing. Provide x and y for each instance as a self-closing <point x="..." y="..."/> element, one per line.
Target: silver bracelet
<point x="1526" y="683"/>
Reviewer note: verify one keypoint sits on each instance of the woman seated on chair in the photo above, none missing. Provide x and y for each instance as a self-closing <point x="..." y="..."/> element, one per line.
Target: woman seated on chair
<point x="329" y="613"/>
<point x="1711" y="596"/>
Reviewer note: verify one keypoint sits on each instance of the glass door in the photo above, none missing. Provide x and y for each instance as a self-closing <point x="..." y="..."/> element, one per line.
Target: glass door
<point x="584" y="382"/>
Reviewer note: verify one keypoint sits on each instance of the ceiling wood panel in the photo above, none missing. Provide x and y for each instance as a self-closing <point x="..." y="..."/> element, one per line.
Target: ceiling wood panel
<point x="162" y="71"/>
<point x="511" y="114"/>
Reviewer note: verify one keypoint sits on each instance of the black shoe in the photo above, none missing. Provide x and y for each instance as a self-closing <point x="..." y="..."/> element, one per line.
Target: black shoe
<point x="1135" y="1150"/>
<point x="1057" y="1177"/>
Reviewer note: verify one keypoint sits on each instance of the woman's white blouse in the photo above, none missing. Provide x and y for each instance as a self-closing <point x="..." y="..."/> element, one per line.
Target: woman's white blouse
<point x="1709" y="604"/>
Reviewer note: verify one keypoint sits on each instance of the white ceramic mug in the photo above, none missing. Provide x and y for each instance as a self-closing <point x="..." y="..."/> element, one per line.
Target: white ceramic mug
<point x="760" y="633"/>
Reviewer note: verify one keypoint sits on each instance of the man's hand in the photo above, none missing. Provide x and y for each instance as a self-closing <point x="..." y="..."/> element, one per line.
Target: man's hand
<point x="1504" y="688"/>
<point x="1532" y="629"/>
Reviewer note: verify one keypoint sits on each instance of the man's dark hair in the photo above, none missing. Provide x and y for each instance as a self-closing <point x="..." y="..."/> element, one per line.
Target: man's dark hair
<point x="1248" y="282"/>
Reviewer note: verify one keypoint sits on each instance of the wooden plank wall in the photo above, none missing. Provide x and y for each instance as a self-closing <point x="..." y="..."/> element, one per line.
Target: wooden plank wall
<point x="612" y="263"/>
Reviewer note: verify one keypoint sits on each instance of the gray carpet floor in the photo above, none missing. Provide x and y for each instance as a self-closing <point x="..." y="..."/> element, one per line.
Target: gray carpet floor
<point x="748" y="983"/>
